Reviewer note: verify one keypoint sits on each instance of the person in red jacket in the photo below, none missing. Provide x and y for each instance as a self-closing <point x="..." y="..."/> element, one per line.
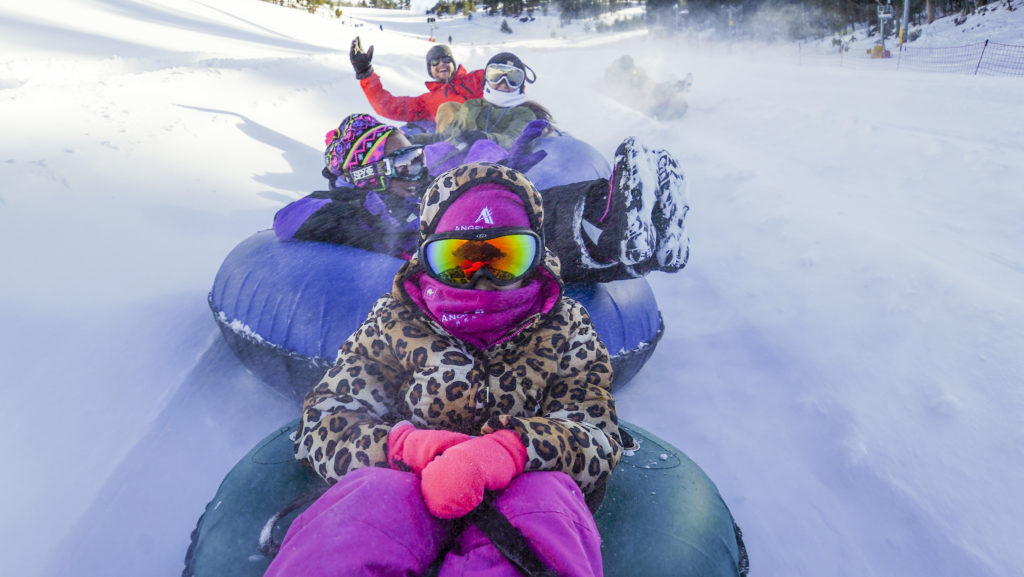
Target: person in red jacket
<point x="451" y="82"/>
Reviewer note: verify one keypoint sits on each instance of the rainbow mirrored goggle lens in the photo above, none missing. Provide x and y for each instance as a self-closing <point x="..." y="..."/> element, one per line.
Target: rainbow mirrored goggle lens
<point x="514" y="77"/>
<point x="403" y="164"/>
<point x="461" y="258"/>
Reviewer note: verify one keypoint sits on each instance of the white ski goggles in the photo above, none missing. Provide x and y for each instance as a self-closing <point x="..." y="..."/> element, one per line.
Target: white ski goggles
<point x="511" y="75"/>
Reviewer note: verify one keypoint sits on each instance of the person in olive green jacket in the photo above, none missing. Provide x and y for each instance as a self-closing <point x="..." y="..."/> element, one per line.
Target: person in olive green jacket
<point x="500" y="116"/>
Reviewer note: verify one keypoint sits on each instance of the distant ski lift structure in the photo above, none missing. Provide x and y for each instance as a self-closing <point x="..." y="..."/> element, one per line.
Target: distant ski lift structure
<point x="733" y="10"/>
<point x="681" y="17"/>
<point x="884" y="15"/>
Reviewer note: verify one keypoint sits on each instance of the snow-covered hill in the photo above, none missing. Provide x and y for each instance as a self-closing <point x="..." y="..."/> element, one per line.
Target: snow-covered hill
<point x="842" y="355"/>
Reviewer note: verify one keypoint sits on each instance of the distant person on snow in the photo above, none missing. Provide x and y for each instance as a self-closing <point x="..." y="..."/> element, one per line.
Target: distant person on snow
<point x="624" y="71"/>
<point x="630" y="84"/>
<point x="601" y="230"/>
<point x="451" y="82"/>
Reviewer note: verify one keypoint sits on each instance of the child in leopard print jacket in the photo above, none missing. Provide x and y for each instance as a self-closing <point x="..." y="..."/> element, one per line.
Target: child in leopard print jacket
<point x="474" y="375"/>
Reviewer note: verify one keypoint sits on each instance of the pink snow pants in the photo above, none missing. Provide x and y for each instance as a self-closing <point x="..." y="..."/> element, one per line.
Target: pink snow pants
<point x="374" y="523"/>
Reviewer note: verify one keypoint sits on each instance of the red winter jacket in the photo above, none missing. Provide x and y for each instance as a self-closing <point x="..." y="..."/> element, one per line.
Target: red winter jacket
<point x="462" y="87"/>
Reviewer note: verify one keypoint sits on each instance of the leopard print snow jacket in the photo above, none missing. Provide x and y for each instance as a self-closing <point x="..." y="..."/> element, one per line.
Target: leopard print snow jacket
<point x="549" y="383"/>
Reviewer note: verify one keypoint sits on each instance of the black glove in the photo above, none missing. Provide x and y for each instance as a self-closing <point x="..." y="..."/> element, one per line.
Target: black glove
<point x="361" y="60"/>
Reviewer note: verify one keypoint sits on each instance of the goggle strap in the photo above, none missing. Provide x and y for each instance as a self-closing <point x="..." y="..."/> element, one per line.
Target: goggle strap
<point x="370" y="173"/>
<point x="381" y="171"/>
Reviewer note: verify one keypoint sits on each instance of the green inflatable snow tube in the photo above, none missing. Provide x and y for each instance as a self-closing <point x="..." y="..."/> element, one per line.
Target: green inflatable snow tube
<point x="661" y="514"/>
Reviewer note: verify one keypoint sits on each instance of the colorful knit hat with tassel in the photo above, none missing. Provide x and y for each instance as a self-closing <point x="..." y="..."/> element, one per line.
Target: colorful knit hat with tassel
<point x="358" y="141"/>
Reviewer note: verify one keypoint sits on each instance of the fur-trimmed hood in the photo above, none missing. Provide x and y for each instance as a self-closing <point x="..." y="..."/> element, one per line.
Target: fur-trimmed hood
<point x="450" y="185"/>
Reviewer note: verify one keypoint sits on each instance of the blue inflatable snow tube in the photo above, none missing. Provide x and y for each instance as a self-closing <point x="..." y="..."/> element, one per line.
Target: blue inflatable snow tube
<point x="568" y="160"/>
<point x="286" y="307"/>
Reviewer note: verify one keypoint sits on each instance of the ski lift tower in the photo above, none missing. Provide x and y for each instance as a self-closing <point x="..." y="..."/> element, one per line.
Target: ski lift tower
<point x="681" y="15"/>
<point x="903" y="22"/>
<point x="884" y="14"/>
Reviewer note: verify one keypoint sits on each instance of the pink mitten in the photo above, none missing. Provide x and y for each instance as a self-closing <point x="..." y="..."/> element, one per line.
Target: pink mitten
<point x="412" y="449"/>
<point x="453" y="484"/>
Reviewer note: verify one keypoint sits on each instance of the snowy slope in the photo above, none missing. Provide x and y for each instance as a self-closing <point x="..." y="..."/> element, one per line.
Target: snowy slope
<point x="842" y="354"/>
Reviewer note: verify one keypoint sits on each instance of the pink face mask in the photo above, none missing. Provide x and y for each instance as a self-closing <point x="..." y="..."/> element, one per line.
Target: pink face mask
<point x="481" y="318"/>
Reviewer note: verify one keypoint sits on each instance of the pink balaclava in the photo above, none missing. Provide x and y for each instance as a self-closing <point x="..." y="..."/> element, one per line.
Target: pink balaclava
<point x="482" y="317"/>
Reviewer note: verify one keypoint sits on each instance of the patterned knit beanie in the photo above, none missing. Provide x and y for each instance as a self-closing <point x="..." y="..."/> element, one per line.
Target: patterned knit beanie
<point x="358" y="141"/>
